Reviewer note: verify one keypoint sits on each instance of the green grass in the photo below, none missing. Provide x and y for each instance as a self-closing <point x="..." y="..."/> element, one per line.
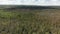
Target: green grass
<point x="30" y="22"/>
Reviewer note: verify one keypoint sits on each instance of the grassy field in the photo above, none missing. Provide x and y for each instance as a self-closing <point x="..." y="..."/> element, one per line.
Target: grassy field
<point x="30" y="21"/>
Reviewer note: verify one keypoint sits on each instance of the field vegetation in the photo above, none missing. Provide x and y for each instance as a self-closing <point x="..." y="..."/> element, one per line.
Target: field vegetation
<point x="26" y="21"/>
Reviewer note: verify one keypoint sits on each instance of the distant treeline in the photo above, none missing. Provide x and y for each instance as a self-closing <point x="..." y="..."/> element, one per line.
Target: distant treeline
<point x="12" y="7"/>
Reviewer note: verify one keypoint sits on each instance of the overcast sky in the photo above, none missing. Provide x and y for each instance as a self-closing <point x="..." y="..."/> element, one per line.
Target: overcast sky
<point x="30" y="2"/>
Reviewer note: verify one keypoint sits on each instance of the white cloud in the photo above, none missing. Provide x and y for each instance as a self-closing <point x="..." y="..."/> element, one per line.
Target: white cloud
<point x="29" y="2"/>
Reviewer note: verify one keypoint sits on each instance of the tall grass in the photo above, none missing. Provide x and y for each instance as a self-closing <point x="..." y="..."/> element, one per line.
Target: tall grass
<point x="29" y="22"/>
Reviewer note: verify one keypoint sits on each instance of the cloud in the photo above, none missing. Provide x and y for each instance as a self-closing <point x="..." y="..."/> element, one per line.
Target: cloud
<point x="30" y="2"/>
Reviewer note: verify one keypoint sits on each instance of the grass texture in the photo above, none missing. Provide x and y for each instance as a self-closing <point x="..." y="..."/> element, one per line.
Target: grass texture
<point x="30" y="21"/>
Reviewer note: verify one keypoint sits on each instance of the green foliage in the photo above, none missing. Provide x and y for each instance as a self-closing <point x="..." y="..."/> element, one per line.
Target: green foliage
<point x="31" y="22"/>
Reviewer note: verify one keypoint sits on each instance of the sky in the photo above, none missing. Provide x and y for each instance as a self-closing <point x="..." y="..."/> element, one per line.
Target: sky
<point x="31" y="2"/>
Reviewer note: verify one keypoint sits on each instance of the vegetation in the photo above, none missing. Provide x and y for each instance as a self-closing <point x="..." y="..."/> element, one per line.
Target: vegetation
<point x="30" y="21"/>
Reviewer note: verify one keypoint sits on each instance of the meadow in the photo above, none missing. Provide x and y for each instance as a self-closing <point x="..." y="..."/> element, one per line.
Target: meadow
<point x="26" y="21"/>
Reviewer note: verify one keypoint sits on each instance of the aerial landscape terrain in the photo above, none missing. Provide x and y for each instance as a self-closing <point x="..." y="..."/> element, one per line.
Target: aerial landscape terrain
<point x="29" y="20"/>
